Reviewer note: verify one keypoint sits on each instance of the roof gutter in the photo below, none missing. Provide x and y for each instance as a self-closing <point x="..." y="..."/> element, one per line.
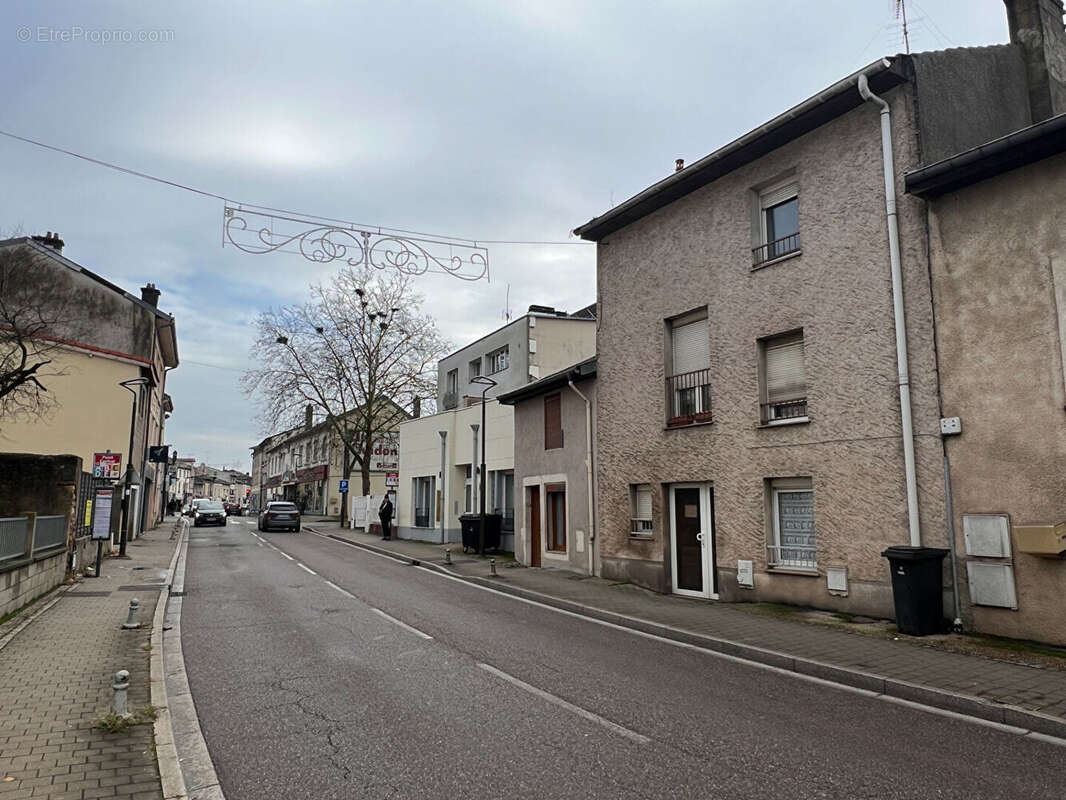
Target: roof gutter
<point x="694" y="176"/>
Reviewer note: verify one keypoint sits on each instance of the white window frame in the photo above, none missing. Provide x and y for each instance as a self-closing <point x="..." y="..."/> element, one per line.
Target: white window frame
<point x="769" y="418"/>
<point x="778" y="486"/>
<point x="499" y="359"/>
<point x="641" y="524"/>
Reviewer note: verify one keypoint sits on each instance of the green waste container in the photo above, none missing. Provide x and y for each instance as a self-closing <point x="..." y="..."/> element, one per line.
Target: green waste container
<point x="917" y="581"/>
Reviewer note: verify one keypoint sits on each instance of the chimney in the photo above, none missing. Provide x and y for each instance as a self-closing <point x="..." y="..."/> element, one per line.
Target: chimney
<point x="679" y="164"/>
<point x="416" y="407"/>
<point x="150" y="295"/>
<point x="1036" y="27"/>
<point x="50" y="240"/>
<point x="309" y="416"/>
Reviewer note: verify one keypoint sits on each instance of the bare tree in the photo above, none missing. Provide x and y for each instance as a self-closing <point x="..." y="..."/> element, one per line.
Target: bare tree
<point x="360" y="351"/>
<point x="35" y="314"/>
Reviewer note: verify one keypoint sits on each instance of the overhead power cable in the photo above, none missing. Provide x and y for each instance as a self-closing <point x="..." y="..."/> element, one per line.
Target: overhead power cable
<point x="185" y="187"/>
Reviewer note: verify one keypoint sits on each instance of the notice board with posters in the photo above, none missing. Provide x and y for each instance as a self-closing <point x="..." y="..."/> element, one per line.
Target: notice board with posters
<point x="107" y="465"/>
<point x="102" y="513"/>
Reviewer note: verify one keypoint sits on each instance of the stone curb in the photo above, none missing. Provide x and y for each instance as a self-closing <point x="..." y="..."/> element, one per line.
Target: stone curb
<point x="197" y="769"/>
<point x="166" y="753"/>
<point x="968" y="705"/>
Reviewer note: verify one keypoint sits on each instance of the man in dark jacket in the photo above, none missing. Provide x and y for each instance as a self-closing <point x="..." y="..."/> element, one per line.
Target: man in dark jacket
<point x="385" y="515"/>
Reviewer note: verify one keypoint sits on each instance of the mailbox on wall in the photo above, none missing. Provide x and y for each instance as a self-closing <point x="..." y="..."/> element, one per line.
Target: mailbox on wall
<point x="1048" y="541"/>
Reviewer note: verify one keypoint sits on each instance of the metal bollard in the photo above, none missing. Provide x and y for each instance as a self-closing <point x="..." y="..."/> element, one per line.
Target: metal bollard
<point x="131" y="620"/>
<point x="448" y="556"/>
<point x="492" y="567"/>
<point x="118" y="700"/>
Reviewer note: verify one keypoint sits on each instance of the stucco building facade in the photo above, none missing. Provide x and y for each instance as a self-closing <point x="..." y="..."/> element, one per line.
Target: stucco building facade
<point x="107" y="336"/>
<point x="748" y="368"/>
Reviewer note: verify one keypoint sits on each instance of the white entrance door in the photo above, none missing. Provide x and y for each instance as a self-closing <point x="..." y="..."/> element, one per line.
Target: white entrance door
<point x="692" y="559"/>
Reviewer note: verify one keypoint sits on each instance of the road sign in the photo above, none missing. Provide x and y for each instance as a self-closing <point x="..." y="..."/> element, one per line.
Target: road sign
<point x="344" y="486"/>
<point x="392" y="478"/>
<point x="107" y="465"/>
<point x="159" y="454"/>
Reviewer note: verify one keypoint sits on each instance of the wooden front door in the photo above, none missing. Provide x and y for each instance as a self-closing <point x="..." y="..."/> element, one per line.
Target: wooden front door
<point x="533" y="493"/>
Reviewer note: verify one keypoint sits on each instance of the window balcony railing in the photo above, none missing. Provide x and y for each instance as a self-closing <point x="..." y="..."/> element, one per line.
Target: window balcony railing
<point x="688" y="398"/>
<point x="792" y="557"/>
<point x="785" y="410"/>
<point x="775" y="249"/>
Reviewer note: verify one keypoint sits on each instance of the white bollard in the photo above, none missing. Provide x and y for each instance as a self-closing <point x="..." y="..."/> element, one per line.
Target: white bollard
<point x="492" y="567"/>
<point x="448" y="556"/>
<point x="118" y="700"/>
<point x="131" y="619"/>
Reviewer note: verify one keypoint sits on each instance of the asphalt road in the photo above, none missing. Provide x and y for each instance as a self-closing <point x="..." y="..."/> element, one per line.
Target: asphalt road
<point x="320" y="670"/>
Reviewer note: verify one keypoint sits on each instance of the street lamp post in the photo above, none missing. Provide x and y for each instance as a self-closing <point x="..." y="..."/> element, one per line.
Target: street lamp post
<point x="488" y="383"/>
<point x="443" y="467"/>
<point x="128" y="386"/>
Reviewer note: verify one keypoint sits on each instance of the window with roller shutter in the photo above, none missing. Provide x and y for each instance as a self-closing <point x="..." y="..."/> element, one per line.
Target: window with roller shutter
<point x="784" y="379"/>
<point x="640" y="509"/>
<point x="688" y="387"/>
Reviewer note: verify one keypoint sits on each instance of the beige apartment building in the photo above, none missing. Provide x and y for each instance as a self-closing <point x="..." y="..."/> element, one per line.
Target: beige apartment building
<point x="542" y="341"/>
<point x="108" y="336"/>
<point x="767" y="360"/>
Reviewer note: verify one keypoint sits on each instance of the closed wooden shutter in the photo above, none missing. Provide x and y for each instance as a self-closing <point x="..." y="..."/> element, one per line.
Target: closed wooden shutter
<point x="691" y="347"/>
<point x="553" y="422"/>
<point x="785" y="376"/>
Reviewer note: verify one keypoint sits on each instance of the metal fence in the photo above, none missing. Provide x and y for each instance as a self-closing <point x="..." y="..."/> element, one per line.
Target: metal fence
<point x="14" y="537"/>
<point x="51" y="533"/>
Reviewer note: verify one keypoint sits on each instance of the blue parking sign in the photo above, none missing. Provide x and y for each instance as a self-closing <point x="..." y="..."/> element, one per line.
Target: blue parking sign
<point x="344" y="485"/>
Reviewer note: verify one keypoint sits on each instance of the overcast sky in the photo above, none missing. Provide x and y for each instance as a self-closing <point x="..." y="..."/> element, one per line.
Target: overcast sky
<point x="486" y="119"/>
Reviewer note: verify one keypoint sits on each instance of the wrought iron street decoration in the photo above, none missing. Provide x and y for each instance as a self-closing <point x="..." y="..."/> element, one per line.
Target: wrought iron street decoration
<point x="324" y="241"/>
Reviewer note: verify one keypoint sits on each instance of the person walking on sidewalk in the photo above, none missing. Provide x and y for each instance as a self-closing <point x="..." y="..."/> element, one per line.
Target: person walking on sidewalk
<point x="385" y="515"/>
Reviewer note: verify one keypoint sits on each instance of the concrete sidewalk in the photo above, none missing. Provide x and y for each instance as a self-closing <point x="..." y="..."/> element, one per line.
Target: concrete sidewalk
<point x="1031" y="697"/>
<point x="55" y="682"/>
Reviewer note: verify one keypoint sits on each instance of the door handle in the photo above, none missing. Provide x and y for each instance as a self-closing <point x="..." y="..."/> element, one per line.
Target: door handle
<point x="699" y="538"/>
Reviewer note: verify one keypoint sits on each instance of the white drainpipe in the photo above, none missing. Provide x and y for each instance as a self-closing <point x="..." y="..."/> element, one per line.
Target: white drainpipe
<point x="897" y="310"/>
<point x="588" y="475"/>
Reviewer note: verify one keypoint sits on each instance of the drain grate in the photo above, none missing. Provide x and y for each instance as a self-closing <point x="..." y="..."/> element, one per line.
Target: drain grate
<point x="89" y="594"/>
<point x="142" y="588"/>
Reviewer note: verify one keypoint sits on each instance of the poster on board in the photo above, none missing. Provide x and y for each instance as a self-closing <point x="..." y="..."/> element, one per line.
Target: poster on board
<point x="102" y="515"/>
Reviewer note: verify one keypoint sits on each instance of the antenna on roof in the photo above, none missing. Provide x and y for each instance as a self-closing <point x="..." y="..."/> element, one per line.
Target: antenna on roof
<point x="901" y="14"/>
<point x="507" y="313"/>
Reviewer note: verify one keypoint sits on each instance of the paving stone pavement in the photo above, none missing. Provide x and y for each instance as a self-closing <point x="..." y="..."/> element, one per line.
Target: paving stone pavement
<point x="906" y="659"/>
<point x="55" y="681"/>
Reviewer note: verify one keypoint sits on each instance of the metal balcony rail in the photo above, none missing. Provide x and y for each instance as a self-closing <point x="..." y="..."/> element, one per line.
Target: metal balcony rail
<point x="793" y="556"/>
<point x="641" y="526"/>
<point x="775" y="249"/>
<point x="51" y="533"/>
<point x="787" y="409"/>
<point x="689" y="397"/>
<point x="14" y="537"/>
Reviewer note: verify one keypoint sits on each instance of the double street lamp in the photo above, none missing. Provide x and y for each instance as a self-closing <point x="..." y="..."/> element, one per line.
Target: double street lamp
<point x="128" y="386"/>
<point x="488" y="383"/>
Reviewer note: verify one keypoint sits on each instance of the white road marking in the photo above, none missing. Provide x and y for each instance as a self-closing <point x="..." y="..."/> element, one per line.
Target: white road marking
<point x="284" y="554"/>
<point x="403" y="625"/>
<point x="357" y="547"/>
<point x="345" y="592"/>
<point x="304" y="567"/>
<point x="581" y="712"/>
<point x="442" y="572"/>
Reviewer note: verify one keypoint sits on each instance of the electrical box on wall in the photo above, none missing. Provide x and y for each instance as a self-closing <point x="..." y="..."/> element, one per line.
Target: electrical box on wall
<point x="986" y="535"/>
<point x="836" y="580"/>
<point x="950" y="426"/>
<point x="746" y="574"/>
<point x="991" y="584"/>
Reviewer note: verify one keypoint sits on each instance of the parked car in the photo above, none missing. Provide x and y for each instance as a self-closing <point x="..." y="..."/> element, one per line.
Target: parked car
<point x="279" y="515"/>
<point x="208" y="512"/>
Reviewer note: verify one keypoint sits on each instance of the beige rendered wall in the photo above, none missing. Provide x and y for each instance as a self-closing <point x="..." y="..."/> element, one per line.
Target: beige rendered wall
<point x="561" y="342"/>
<point x="93" y="413"/>
<point x="420" y="456"/>
<point x="999" y="281"/>
<point x="697" y="252"/>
